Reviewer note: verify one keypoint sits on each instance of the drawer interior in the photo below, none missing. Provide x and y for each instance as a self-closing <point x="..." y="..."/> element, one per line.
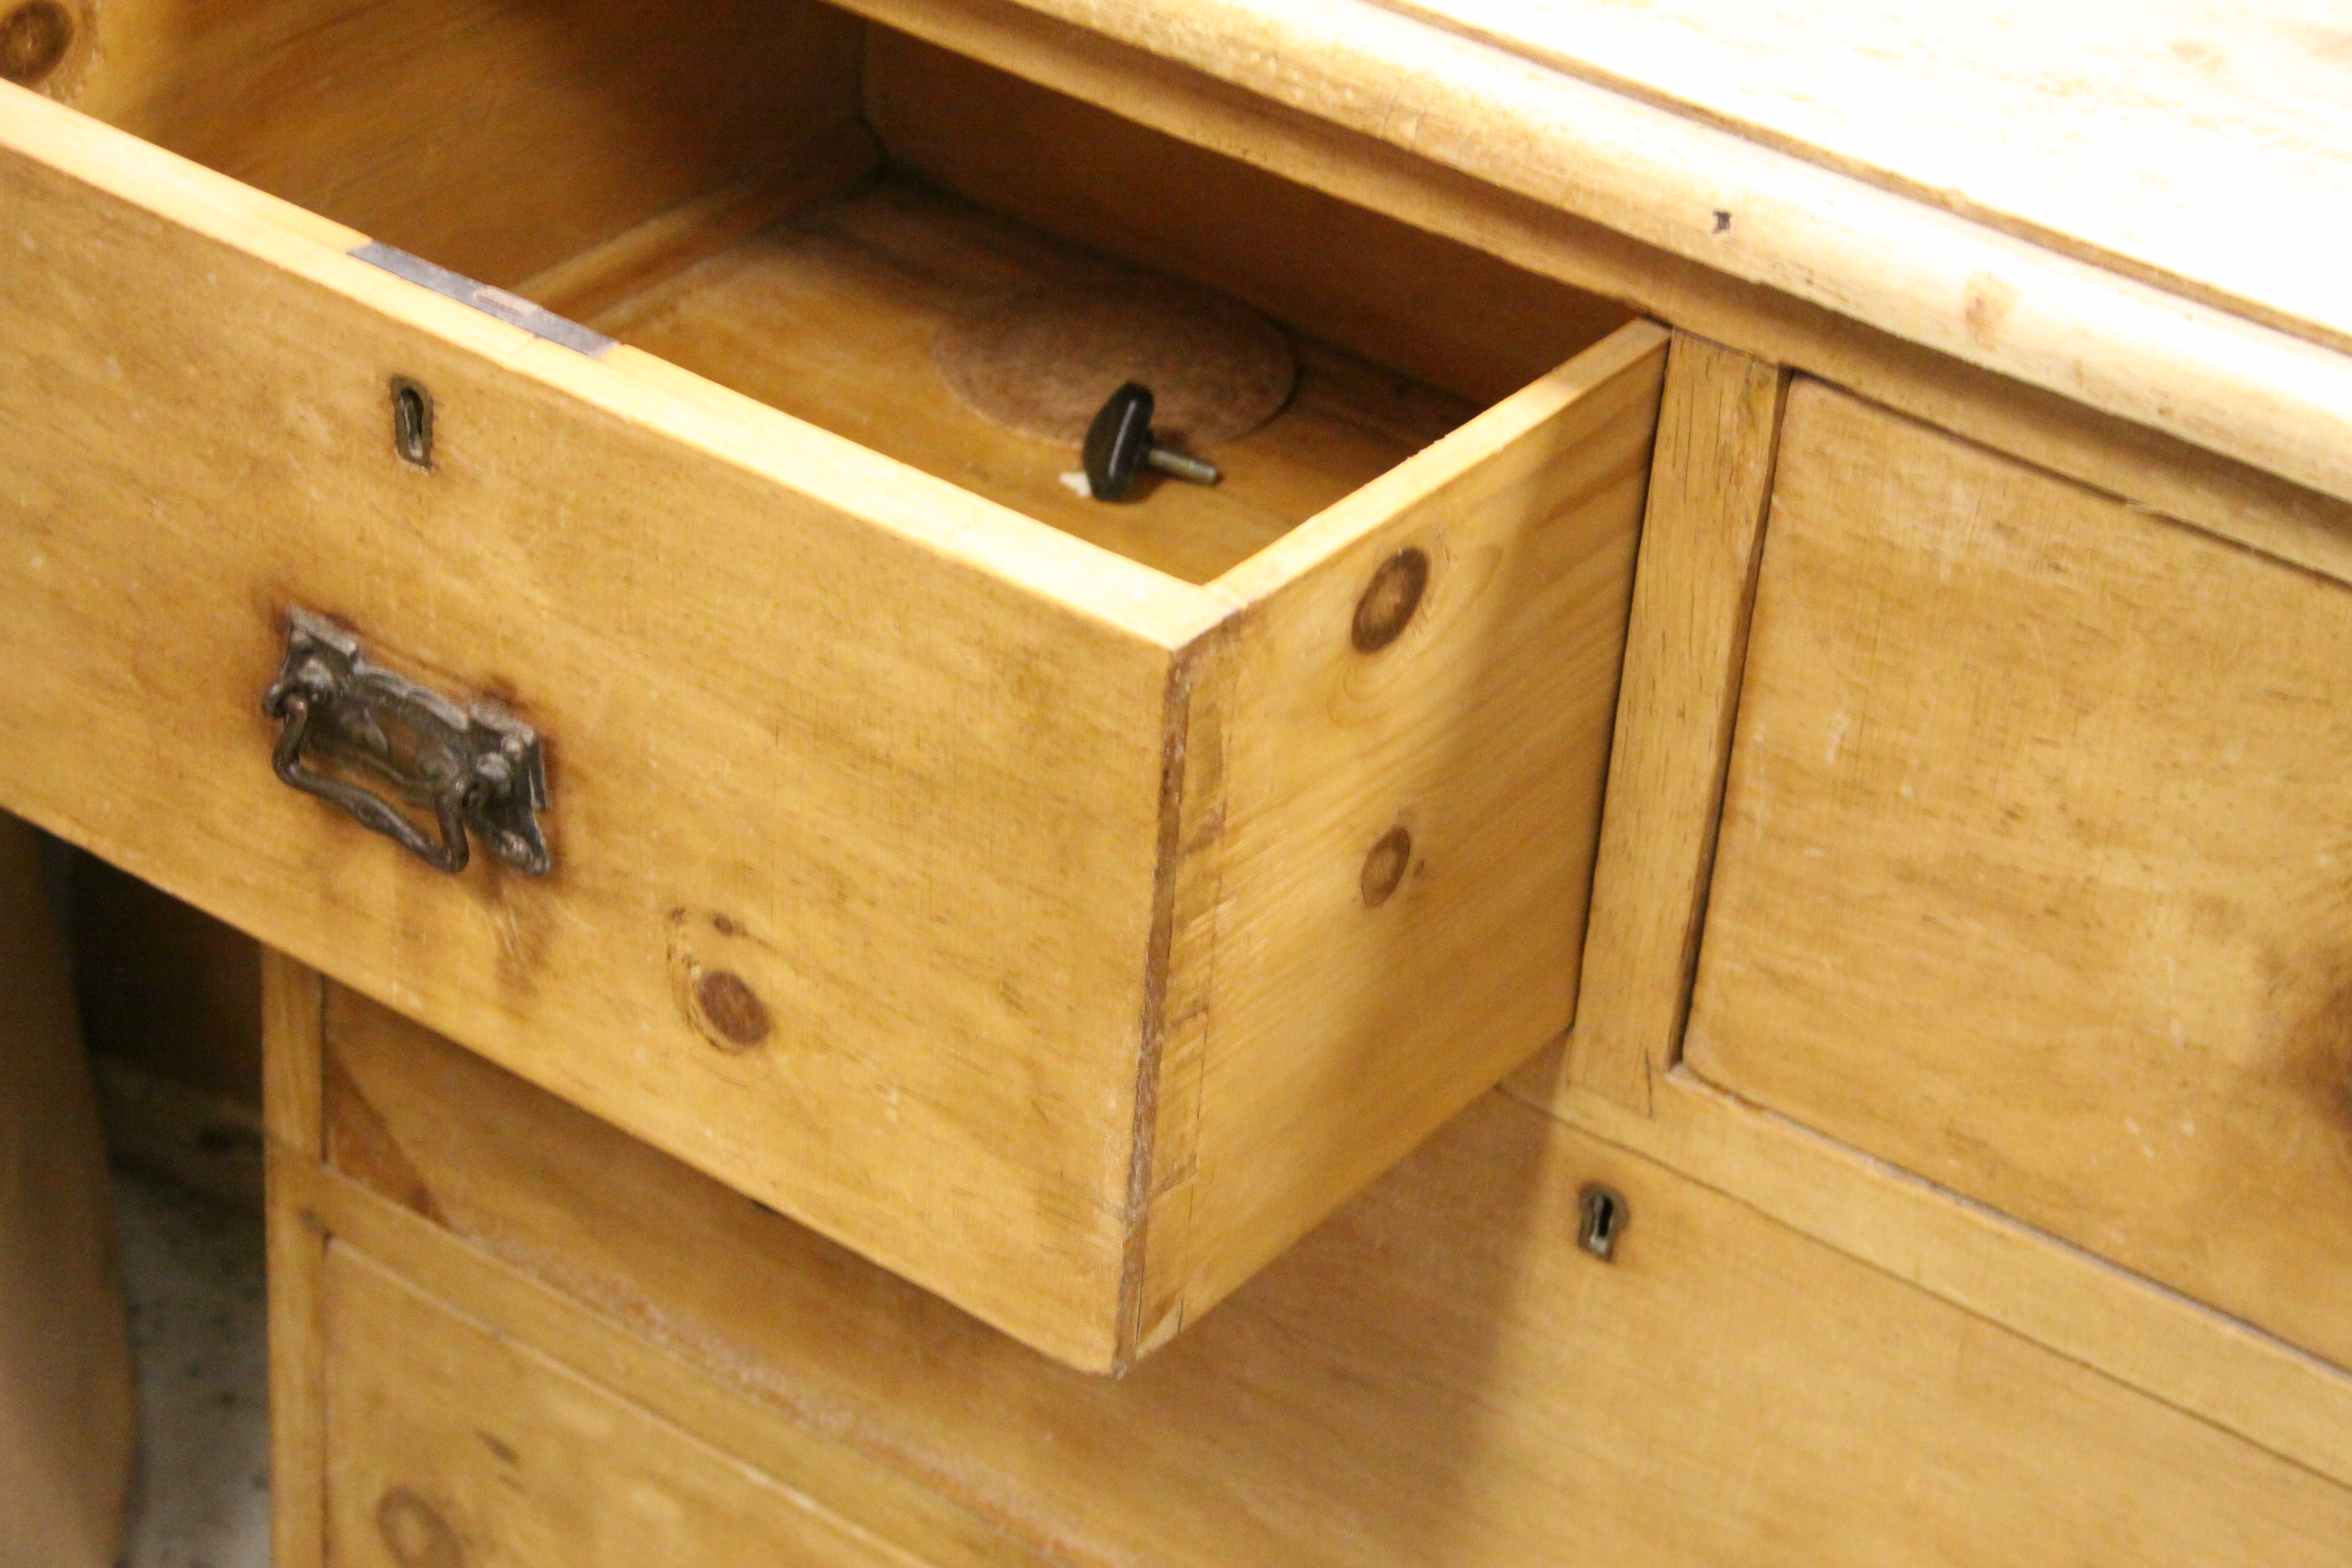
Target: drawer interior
<point x="806" y="208"/>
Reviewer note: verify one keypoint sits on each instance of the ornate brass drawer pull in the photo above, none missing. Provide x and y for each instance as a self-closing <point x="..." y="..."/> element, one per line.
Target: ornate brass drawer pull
<point x="475" y="767"/>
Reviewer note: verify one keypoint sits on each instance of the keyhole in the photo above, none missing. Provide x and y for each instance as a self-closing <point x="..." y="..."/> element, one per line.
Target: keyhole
<point x="412" y="422"/>
<point x="1601" y="1217"/>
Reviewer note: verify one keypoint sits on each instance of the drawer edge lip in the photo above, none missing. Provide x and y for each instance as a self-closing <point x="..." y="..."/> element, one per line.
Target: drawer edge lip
<point x="1080" y="578"/>
<point x="1298" y="554"/>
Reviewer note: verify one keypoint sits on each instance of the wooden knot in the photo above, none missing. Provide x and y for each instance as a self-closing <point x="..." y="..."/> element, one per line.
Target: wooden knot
<point x="1390" y="600"/>
<point x="415" y="1533"/>
<point x="33" y="41"/>
<point x="1385" y="867"/>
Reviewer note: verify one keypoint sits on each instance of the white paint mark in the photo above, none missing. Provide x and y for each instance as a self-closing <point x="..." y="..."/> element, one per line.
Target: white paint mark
<point x="1837" y="738"/>
<point x="1075" y="482"/>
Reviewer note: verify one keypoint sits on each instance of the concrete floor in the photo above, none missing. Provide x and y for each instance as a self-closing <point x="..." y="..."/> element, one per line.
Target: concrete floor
<point x="192" y="1268"/>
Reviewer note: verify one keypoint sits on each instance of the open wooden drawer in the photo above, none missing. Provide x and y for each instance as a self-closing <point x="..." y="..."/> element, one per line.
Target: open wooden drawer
<point x="1064" y="903"/>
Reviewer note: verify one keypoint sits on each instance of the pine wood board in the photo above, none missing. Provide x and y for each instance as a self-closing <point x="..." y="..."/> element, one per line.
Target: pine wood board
<point x="449" y="1443"/>
<point x="833" y="317"/>
<point x="2031" y="861"/>
<point x="147" y="578"/>
<point x="495" y="137"/>
<point x="1403" y="835"/>
<point x="2200" y="145"/>
<point x="1810" y="254"/>
<point x="1437" y="1375"/>
<point x="67" y="1433"/>
<point x="1434" y="307"/>
<point x="1701" y="540"/>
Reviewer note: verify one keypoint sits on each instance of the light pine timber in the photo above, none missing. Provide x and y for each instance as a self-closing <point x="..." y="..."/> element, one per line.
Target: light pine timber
<point x="835" y="317"/>
<point x="1437" y="1375"/>
<point x="2033" y="862"/>
<point x="1905" y="267"/>
<point x="1334" y="1031"/>
<point x="984" y="783"/>
<point x="293" y="1020"/>
<point x="67" y="1433"/>
<point x="824" y="1477"/>
<point x="1327" y="267"/>
<point x="995" y="739"/>
<point x="2113" y="382"/>
<point x="589" y="282"/>
<point x="492" y="136"/>
<point x="1675" y="740"/>
<point x="2182" y="141"/>
<point x="1709" y="484"/>
<point x="453" y="1444"/>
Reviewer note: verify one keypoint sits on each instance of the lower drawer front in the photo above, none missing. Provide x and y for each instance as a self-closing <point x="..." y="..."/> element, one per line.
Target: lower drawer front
<point x="1439" y="1375"/>
<point x="450" y="1446"/>
<point x="2036" y="862"/>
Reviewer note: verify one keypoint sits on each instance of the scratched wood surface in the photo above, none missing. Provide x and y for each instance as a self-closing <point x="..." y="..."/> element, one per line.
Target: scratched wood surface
<point x="497" y="137"/>
<point x="2034" y="860"/>
<point x="1438" y="1375"/>
<point x="1631" y="191"/>
<point x="1405" y="789"/>
<point x="761" y="780"/>
<point x="2196" y="143"/>
<point x="813" y="712"/>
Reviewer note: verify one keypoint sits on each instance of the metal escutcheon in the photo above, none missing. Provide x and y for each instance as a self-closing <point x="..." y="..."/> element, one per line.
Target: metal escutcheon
<point x="474" y="768"/>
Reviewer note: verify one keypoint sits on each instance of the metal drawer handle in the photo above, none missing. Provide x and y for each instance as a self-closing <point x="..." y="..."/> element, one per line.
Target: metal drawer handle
<point x="475" y="767"/>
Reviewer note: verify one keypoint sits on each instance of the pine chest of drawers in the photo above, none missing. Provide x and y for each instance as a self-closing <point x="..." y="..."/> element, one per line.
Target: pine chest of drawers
<point x="1701" y="893"/>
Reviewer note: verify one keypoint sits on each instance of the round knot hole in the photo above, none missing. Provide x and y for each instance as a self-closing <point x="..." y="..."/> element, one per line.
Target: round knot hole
<point x="737" y="1017"/>
<point x="33" y="41"/>
<point x="415" y="1533"/>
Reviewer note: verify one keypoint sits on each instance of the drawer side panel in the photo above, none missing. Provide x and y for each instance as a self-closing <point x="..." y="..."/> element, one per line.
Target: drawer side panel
<point x="1422" y="685"/>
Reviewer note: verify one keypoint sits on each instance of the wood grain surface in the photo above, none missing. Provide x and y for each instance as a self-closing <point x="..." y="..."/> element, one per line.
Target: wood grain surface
<point x="2188" y="142"/>
<point x="2033" y="858"/>
<point x="1700" y="542"/>
<point x="451" y="1444"/>
<point x="807" y="707"/>
<point x="1437" y="1375"/>
<point x="1808" y="253"/>
<point x="1408" y="791"/>
<point x="497" y="137"/>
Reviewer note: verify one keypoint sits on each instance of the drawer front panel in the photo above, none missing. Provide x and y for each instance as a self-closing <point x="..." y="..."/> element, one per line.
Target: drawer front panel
<point x="449" y="1446"/>
<point x="1061" y="935"/>
<point x="2036" y="863"/>
<point x="855" y="835"/>
<point x="1438" y="1375"/>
